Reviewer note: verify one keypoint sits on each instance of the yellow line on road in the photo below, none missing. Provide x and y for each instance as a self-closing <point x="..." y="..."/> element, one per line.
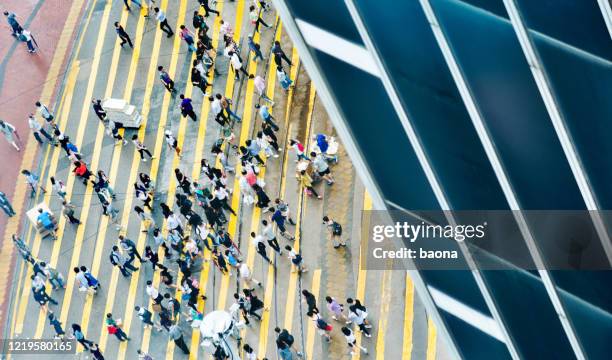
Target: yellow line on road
<point x="195" y="175"/>
<point x="54" y="161"/>
<point x="312" y="329"/>
<point x="80" y="234"/>
<point x="229" y="89"/>
<point x="383" y="316"/>
<point x="25" y="293"/>
<point x="361" y="277"/>
<point x="103" y="225"/>
<point x="408" y="319"/>
<point x="431" y="340"/>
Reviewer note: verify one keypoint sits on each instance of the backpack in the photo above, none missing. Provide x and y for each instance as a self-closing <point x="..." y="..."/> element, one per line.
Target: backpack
<point x="321" y="324"/>
<point x="336" y="228"/>
<point x="112" y="259"/>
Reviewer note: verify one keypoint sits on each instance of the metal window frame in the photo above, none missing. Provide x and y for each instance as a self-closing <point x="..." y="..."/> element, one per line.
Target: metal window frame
<point x="340" y="123"/>
<point x="606" y="12"/>
<point x="418" y="148"/>
<point x="556" y="116"/>
<point x="500" y="172"/>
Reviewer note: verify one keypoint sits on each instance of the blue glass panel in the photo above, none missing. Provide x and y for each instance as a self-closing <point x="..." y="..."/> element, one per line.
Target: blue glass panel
<point x="459" y="285"/>
<point x="433" y="103"/>
<point x="575" y="22"/>
<point x="379" y="134"/>
<point x="332" y="16"/>
<point x="473" y="343"/>
<point x="584" y="96"/>
<point x="528" y="314"/>
<point x="500" y="80"/>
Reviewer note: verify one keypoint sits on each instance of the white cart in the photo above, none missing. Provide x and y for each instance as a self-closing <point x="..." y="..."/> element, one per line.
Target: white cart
<point x="120" y="111"/>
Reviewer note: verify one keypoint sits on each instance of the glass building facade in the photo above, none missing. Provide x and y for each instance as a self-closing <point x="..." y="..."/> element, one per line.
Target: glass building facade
<point x="479" y="105"/>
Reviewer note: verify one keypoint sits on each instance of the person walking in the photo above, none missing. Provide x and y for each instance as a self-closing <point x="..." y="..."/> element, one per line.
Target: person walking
<point x="146" y="317"/>
<point x="283" y="78"/>
<point x="176" y="334"/>
<point x="59" y="187"/>
<point x="166" y="79"/>
<point x="55" y="278"/>
<point x="237" y="64"/>
<point x="24" y="250"/>
<point x="68" y="212"/>
<point x="351" y="341"/>
<point x="42" y="298"/>
<point x="198" y="79"/>
<point x="255" y="48"/>
<point x="129" y="247"/>
<point x="257" y="241"/>
<point x="296" y="260"/>
<point x="57" y="326"/>
<point x="335" y="308"/>
<point x="310" y="300"/>
<point x="278" y="52"/>
<point x="143" y="355"/>
<point x="246" y="275"/>
<point x="81" y="170"/>
<point x="115" y="329"/>
<point x="153" y="293"/>
<point x="6" y="205"/>
<point x="45" y="113"/>
<point x="335" y="232"/>
<point x="160" y="16"/>
<point x="95" y="352"/>
<point x="142" y="149"/>
<point x="10" y="134"/>
<point x="322" y="167"/>
<point x="32" y="181"/>
<point x="11" y="18"/>
<point x="264" y="112"/>
<point x="279" y="219"/>
<point x="123" y="35"/>
<point x="188" y="37"/>
<point x="207" y="8"/>
<point x="226" y="104"/>
<point x="80" y="337"/>
<point x="260" y="86"/>
<point x="117" y="259"/>
<point x="268" y="233"/>
<point x="306" y="182"/>
<point x="27" y="37"/>
<point x="255" y="17"/>
<point x="38" y="130"/>
<point x="217" y="109"/>
<point x="98" y="109"/>
<point x="187" y="108"/>
<point x="322" y="326"/>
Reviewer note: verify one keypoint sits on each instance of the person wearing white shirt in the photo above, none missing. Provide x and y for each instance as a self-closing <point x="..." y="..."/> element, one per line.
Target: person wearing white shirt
<point x="268" y="233"/>
<point x="38" y="130"/>
<point x="217" y="110"/>
<point x="246" y="275"/>
<point x="260" y="86"/>
<point x="237" y="64"/>
<point x="174" y="223"/>
<point x="153" y="293"/>
<point x="163" y="22"/>
<point x="258" y="242"/>
<point x="351" y="341"/>
<point x="43" y="110"/>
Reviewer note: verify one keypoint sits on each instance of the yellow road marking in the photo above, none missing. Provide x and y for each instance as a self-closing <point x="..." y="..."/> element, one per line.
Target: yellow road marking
<point x="408" y="319"/>
<point x="229" y="89"/>
<point x="265" y="319"/>
<point x="25" y="292"/>
<point x="54" y="161"/>
<point x="70" y="282"/>
<point x="431" y="340"/>
<point x="127" y="208"/>
<point x="103" y="225"/>
<point x="361" y="277"/>
<point x="195" y="174"/>
<point x="298" y="218"/>
<point x="312" y="328"/>
<point x="384" y="313"/>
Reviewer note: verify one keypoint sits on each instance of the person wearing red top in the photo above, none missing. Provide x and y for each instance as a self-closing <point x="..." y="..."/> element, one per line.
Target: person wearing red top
<point x="82" y="171"/>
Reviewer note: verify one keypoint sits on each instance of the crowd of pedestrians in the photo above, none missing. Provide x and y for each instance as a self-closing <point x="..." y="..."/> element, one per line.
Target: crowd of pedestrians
<point x="198" y="217"/>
